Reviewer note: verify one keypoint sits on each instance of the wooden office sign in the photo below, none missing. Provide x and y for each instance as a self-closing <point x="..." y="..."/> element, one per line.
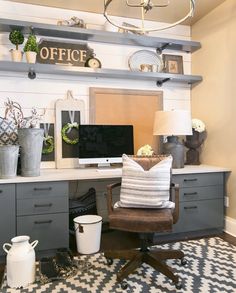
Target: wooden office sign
<point x="56" y="52"/>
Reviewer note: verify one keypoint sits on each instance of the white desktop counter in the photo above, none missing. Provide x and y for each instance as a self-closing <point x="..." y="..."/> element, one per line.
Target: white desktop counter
<point x="94" y="173"/>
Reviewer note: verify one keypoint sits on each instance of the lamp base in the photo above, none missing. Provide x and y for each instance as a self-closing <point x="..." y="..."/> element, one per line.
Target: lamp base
<point x="176" y="149"/>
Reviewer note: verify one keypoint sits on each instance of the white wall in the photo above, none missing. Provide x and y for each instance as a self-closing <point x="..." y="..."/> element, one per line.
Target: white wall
<point x="46" y="89"/>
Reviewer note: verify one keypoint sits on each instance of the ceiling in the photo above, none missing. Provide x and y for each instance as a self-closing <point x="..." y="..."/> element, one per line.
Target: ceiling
<point x="118" y="7"/>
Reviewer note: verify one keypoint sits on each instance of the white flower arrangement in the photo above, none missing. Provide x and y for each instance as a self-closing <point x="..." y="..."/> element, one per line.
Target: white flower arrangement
<point x="198" y="125"/>
<point x="145" y="150"/>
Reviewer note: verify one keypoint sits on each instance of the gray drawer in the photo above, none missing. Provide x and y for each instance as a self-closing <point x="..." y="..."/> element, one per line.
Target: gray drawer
<point x="37" y="206"/>
<point x="200" y="215"/>
<point x="199" y="193"/>
<point x="52" y="230"/>
<point x="7" y="194"/>
<point x="7" y="214"/>
<point x="203" y="179"/>
<point x="35" y="189"/>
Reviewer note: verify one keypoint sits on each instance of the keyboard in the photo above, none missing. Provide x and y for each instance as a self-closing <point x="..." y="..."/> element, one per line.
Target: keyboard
<point x="116" y="171"/>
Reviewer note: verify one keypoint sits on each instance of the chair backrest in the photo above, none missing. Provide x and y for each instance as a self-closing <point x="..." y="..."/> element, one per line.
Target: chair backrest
<point x="147" y="162"/>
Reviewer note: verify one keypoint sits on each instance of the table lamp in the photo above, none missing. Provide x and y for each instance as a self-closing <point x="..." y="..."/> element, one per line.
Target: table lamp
<point x="171" y="124"/>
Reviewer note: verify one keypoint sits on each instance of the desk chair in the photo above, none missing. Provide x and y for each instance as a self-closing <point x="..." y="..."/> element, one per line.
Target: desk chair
<point x="145" y="221"/>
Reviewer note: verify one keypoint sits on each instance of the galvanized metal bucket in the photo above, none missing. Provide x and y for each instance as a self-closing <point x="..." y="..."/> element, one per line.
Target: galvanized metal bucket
<point x="8" y="160"/>
<point x="31" y="142"/>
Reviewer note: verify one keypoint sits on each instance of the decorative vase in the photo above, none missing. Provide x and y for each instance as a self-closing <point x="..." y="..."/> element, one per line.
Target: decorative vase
<point x="8" y="160"/>
<point x="16" y="55"/>
<point x="20" y="262"/>
<point x="176" y="149"/>
<point x="193" y="142"/>
<point x="30" y="56"/>
<point x="31" y="142"/>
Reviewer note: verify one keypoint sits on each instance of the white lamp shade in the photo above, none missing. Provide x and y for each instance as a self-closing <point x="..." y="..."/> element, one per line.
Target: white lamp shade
<point x="176" y="122"/>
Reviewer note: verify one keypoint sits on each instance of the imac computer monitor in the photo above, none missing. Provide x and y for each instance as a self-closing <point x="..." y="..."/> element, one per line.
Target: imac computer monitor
<point x="104" y="144"/>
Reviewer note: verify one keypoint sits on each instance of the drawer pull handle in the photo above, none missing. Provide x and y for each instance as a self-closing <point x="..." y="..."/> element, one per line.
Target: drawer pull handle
<point x="190" y="193"/>
<point x="190" y="180"/>
<point x="43" y="189"/>
<point x="0" y="190"/>
<point x="43" y="222"/>
<point x="43" y="205"/>
<point x="190" y="208"/>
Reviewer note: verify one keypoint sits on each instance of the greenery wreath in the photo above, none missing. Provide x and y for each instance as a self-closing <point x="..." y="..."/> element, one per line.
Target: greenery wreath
<point x="64" y="131"/>
<point x="49" y="145"/>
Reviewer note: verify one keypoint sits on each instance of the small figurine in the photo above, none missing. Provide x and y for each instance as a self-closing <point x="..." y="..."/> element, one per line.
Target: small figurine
<point x="74" y="21"/>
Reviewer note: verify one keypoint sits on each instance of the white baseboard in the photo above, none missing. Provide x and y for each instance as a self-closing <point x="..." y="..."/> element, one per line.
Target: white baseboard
<point x="230" y="226"/>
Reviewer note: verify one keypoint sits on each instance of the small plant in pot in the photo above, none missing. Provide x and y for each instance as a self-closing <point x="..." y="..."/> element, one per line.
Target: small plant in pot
<point x="31" y="49"/>
<point x="16" y="38"/>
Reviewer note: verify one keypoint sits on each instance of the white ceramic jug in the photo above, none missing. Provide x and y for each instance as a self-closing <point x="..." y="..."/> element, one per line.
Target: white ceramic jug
<point x="20" y="261"/>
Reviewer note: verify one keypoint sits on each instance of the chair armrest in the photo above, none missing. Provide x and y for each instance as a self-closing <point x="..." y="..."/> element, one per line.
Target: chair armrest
<point x="175" y="190"/>
<point x="110" y="187"/>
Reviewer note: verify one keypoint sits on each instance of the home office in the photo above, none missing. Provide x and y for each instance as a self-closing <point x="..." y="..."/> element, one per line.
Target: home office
<point x="52" y="83"/>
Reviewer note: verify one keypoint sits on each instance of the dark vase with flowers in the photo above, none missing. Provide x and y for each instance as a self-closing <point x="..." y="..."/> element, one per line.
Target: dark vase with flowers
<point x="193" y="143"/>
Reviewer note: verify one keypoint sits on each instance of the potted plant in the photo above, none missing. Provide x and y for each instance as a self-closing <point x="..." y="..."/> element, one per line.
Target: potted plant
<point x="194" y="141"/>
<point x="16" y="38"/>
<point x="31" y="49"/>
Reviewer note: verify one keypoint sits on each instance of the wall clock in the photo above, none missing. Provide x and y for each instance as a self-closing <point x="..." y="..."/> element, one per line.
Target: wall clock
<point x="93" y="62"/>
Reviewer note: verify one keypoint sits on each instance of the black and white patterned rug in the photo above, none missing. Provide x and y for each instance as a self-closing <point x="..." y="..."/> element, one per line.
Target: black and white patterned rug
<point x="211" y="268"/>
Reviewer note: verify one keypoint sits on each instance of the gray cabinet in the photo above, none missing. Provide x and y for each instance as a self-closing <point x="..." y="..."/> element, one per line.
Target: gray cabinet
<point x="201" y="202"/>
<point x="40" y="209"/>
<point x="7" y="214"/>
<point x="42" y="213"/>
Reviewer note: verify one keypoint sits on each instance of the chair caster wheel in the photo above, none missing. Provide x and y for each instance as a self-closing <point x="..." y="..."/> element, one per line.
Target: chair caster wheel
<point x="178" y="286"/>
<point x="124" y="285"/>
<point x="183" y="261"/>
<point x="109" y="261"/>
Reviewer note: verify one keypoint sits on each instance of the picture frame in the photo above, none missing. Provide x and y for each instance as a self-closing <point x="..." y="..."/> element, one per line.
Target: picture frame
<point x="173" y="64"/>
<point x="66" y="156"/>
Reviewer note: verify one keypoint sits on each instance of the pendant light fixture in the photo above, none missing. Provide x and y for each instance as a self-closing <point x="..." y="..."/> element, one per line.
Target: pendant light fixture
<point x="146" y="6"/>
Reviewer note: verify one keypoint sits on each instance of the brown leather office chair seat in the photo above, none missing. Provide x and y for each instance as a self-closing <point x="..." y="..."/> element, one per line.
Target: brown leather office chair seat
<point x="144" y="222"/>
<point x="141" y="220"/>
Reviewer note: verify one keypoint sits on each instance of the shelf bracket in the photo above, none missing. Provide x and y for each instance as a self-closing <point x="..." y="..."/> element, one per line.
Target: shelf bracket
<point x="31" y="74"/>
<point x="160" y="82"/>
<point x="160" y="49"/>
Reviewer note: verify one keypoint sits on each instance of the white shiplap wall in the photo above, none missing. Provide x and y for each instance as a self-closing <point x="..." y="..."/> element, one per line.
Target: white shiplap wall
<point x="46" y="89"/>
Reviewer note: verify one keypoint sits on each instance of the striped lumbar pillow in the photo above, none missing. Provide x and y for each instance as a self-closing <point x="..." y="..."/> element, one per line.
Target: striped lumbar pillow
<point x="145" y="189"/>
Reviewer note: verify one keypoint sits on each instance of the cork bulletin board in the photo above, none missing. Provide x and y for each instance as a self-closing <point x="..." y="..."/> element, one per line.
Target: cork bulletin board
<point x="132" y="107"/>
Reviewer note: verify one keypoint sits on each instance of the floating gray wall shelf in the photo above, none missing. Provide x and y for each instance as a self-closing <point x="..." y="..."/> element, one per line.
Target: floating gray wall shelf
<point x="80" y="34"/>
<point x="33" y="69"/>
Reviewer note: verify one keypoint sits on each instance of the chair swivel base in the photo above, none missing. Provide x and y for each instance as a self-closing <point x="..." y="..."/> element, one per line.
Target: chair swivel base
<point x="155" y="258"/>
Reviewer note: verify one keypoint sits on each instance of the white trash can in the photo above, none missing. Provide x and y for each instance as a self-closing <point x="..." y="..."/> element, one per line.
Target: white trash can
<point x="88" y="233"/>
